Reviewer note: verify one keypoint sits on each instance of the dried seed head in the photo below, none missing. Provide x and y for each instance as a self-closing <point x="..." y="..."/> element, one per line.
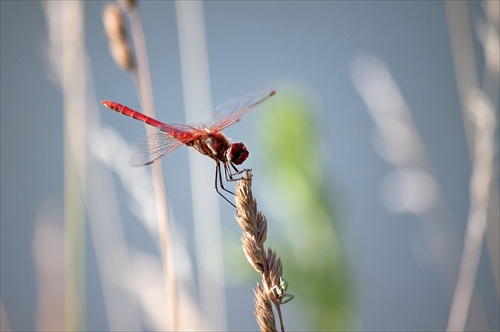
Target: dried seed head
<point x="122" y="56"/>
<point x="261" y="232"/>
<point x="129" y="4"/>
<point x="254" y="252"/>
<point x="264" y="311"/>
<point x="274" y="269"/>
<point x="246" y="206"/>
<point x="254" y="225"/>
<point x="114" y="26"/>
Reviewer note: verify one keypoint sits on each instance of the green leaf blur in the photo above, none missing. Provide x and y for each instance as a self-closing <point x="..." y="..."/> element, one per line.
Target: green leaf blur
<point x="303" y="200"/>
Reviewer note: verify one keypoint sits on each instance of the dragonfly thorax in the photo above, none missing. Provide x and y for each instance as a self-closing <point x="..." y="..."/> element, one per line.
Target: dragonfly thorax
<point x="218" y="147"/>
<point x="215" y="145"/>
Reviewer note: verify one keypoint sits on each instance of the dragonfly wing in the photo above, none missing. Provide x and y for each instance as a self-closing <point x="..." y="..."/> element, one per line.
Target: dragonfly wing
<point x="152" y="148"/>
<point x="231" y="111"/>
<point x="182" y="132"/>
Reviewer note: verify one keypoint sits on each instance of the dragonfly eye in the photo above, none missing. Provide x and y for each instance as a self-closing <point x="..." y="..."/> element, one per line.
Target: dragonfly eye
<point x="237" y="153"/>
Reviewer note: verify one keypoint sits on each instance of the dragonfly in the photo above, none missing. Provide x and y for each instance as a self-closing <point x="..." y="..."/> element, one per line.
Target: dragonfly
<point x="206" y="138"/>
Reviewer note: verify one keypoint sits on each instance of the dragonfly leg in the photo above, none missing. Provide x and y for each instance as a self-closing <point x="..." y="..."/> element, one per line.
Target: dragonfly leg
<point x="218" y="175"/>
<point x="230" y="175"/>
<point x="225" y="176"/>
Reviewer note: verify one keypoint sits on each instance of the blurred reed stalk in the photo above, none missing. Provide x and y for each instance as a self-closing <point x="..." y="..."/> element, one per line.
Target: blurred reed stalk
<point x="488" y="34"/>
<point x="4" y="319"/>
<point x="66" y="52"/>
<point x="206" y="205"/>
<point x="48" y="257"/>
<point x="412" y="186"/>
<point x="479" y="114"/>
<point x="115" y="29"/>
<point x="409" y="156"/>
<point x="254" y="225"/>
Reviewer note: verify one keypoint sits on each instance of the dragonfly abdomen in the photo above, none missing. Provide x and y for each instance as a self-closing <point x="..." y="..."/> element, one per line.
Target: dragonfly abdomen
<point x="130" y="112"/>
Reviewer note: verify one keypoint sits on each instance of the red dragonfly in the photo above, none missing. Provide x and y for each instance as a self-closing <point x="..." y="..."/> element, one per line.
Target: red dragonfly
<point x="206" y="139"/>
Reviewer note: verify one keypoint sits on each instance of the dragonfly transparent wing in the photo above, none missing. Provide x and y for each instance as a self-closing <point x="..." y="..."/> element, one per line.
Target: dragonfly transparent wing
<point x="231" y="111"/>
<point x="182" y="132"/>
<point x="152" y="148"/>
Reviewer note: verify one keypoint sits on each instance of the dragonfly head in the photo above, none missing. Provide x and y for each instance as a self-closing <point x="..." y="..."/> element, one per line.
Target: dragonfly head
<point x="237" y="153"/>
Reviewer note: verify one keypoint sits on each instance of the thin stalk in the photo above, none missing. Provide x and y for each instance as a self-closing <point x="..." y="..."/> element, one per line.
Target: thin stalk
<point x="73" y="82"/>
<point x="143" y="79"/>
<point x="480" y="184"/>
<point x="121" y="52"/>
<point x="480" y="123"/>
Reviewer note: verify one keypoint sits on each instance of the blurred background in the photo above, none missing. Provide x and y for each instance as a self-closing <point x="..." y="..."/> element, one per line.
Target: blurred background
<point x="362" y="162"/>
